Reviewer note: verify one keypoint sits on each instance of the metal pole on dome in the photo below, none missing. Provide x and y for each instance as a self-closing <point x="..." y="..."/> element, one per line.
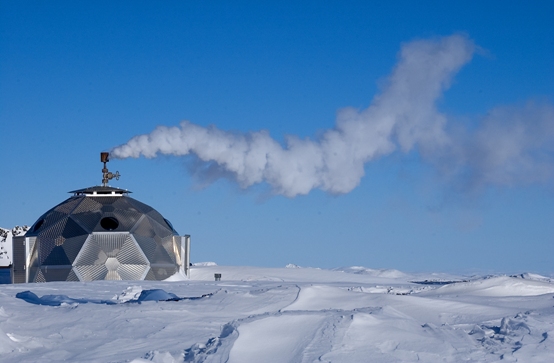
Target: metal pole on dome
<point x="107" y="175"/>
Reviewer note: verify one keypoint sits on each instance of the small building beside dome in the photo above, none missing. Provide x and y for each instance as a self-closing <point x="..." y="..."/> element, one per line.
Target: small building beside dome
<point x="100" y="233"/>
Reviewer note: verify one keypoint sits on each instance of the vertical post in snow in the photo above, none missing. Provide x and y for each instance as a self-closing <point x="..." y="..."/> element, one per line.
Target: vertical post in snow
<point x="29" y="244"/>
<point x="185" y="254"/>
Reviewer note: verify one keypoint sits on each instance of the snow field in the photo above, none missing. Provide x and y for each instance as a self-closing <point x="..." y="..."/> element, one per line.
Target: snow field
<point x="281" y="315"/>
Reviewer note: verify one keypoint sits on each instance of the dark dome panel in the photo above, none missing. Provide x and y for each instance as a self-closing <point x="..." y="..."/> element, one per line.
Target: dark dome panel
<point x="36" y="227"/>
<point x="107" y="208"/>
<point x="44" y="247"/>
<point x="87" y="205"/>
<point x="143" y="208"/>
<point x="170" y="225"/>
<point x="162" y="272"/>
<point x="73" y="245"/>
<point x="55" y="274"/>
<point x="53" y="230"/>
<point x="168" y="243"/>
<point x="46" y="221"/>
<point x="39" y="277"/>
<point x="56" y="256"/>
<point x="72" y="229"/>
<point x="68" y="206"/>
<point x="128" y="204"/>
<point x="155" y="215"/>
<point x="106" y="200"/>
<point x="150" y="275"/>
<point x="148" y="247"/>
<point x="161" y="230"/>
<point x="88" y="220"/>
<point x="72" y="276"/>
<point x="143" y="228"/>
<point x="161" y="255"/>
<point x="127" y="218"/>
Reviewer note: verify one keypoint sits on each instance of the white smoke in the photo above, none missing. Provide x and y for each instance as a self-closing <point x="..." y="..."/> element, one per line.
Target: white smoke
<point x="512" y="146"/>
<point x="505" y="150"/>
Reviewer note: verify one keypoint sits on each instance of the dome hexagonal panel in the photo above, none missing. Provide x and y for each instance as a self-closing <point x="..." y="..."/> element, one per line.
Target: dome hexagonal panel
<point x="90" y="272"/>
<point x="118" y="253"/>
<point x="130" y="272"/>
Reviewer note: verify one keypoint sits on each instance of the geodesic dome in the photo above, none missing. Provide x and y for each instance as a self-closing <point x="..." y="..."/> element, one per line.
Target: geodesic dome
<point x="101" y="233"/>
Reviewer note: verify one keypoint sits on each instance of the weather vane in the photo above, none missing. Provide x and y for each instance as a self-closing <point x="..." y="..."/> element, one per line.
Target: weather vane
<point x="107" y="175"/>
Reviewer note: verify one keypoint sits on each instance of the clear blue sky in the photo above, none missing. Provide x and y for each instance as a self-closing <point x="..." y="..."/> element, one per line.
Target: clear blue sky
<point x="77" y="78"/>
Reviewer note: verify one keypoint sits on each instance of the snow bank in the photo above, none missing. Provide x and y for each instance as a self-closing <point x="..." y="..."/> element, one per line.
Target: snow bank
<point x="204" y="264"/>
<point x="498" y="286"/>
<point x="387" y="273"/>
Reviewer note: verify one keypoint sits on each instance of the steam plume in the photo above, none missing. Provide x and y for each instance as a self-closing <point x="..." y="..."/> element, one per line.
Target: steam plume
<point x="512" y="145"/>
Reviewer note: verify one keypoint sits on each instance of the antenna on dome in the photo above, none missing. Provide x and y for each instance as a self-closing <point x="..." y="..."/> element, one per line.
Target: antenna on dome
<point x="107" y="175"/>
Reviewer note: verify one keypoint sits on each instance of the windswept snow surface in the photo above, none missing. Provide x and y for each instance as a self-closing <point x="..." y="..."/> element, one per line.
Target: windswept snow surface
<point x="270" y="315"/>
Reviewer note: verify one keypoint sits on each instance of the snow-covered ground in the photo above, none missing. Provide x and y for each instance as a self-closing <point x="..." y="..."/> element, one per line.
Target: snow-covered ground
<point x="288" y="314"/>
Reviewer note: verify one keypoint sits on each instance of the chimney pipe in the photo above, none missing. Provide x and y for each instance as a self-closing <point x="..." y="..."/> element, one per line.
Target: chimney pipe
<point x="104" y="157"/>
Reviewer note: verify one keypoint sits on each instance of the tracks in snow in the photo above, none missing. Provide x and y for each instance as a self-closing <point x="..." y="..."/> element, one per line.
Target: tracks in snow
<point x="311" y="333"/>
